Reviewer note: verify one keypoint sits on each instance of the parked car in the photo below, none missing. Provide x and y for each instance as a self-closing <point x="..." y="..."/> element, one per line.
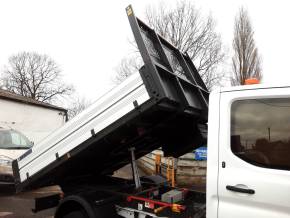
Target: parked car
<point x="12" y="145"/>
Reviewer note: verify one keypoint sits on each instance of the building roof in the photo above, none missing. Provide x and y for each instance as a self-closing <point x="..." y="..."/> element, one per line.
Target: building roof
<point x="4" y="94"/>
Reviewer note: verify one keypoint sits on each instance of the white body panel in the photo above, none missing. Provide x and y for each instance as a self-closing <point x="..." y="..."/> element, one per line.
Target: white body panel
<point x="212" y="156"/>
<point x="12" y="153"/>
<point x="106" y="110"/>
<point x="271" y="198"/>
<point x="33" y="121"/>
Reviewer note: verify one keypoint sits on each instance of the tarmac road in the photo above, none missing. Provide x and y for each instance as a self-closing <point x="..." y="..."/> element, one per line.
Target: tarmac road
<point x="20" y="205"/>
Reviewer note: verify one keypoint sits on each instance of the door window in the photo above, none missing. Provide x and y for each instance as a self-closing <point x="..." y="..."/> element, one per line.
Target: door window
<point x="260" y="132"/>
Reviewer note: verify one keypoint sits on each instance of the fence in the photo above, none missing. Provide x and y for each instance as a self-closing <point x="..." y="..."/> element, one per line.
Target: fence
<point x="189" y="172"/>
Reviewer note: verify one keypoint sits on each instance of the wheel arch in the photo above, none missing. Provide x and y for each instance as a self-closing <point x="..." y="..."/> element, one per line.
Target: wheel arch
<point x="74" y="203"/>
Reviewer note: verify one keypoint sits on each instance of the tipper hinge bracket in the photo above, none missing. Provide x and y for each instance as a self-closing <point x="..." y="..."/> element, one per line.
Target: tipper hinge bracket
<point x="93" y="132"/>
<point x="135" y="103"/>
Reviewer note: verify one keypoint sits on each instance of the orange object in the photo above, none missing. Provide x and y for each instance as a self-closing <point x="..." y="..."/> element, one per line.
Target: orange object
<point x="170" y="171"/>
<point x="176" y="208"/>
<point x="157" y="164"/>
<point x="159" y="209"/>
<point x="252" y="81"/>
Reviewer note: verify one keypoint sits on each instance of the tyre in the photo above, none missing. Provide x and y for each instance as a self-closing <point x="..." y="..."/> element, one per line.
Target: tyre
<point x="74" y="207"/>
<point x="82" y="207"/>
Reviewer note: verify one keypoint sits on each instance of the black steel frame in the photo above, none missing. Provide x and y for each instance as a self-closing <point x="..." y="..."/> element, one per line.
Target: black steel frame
<point x="168" y="73"/>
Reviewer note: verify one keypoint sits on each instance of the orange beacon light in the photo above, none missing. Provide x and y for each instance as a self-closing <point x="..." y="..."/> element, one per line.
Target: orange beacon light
<point x="251" y="81"/>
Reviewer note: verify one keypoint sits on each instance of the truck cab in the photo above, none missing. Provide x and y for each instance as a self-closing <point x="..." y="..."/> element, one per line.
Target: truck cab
<point x="248" y="152"/>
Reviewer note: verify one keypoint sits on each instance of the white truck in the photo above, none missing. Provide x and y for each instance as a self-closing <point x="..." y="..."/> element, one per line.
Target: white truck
<point x="166" y="105"/>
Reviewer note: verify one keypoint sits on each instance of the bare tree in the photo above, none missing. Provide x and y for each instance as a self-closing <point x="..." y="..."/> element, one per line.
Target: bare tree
<point x="246" y="62"/>
<point x="185" y="28"/>
<point x="127" y="67"/>
<point x="35" y="76"/>
<point x="77" y="105"/>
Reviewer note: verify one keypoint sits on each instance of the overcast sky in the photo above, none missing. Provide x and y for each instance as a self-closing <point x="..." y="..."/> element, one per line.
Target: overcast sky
<point x="89" y="38"/>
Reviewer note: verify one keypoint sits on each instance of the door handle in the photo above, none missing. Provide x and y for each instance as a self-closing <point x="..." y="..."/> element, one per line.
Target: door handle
<point x="241" y="190"/>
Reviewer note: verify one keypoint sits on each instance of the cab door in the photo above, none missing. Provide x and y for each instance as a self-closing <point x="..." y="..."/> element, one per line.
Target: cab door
<point x="254" y="153"/>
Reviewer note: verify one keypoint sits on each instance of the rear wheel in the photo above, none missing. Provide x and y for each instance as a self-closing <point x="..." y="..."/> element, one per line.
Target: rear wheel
<point x="85" y="207"/>
<point x="74" y="207"/>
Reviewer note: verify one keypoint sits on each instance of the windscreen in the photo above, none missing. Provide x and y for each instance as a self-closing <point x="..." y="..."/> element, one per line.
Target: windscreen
<point x="11" y="139"/>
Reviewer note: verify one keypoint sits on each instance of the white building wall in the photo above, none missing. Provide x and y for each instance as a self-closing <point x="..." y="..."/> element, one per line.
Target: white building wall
<point x="34" y="121"/>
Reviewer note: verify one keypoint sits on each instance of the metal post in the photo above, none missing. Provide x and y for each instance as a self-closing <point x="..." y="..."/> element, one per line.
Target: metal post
<point x="135" y="171"/>
<point x="157" y="164"/>
<point x="170" y="172"/>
